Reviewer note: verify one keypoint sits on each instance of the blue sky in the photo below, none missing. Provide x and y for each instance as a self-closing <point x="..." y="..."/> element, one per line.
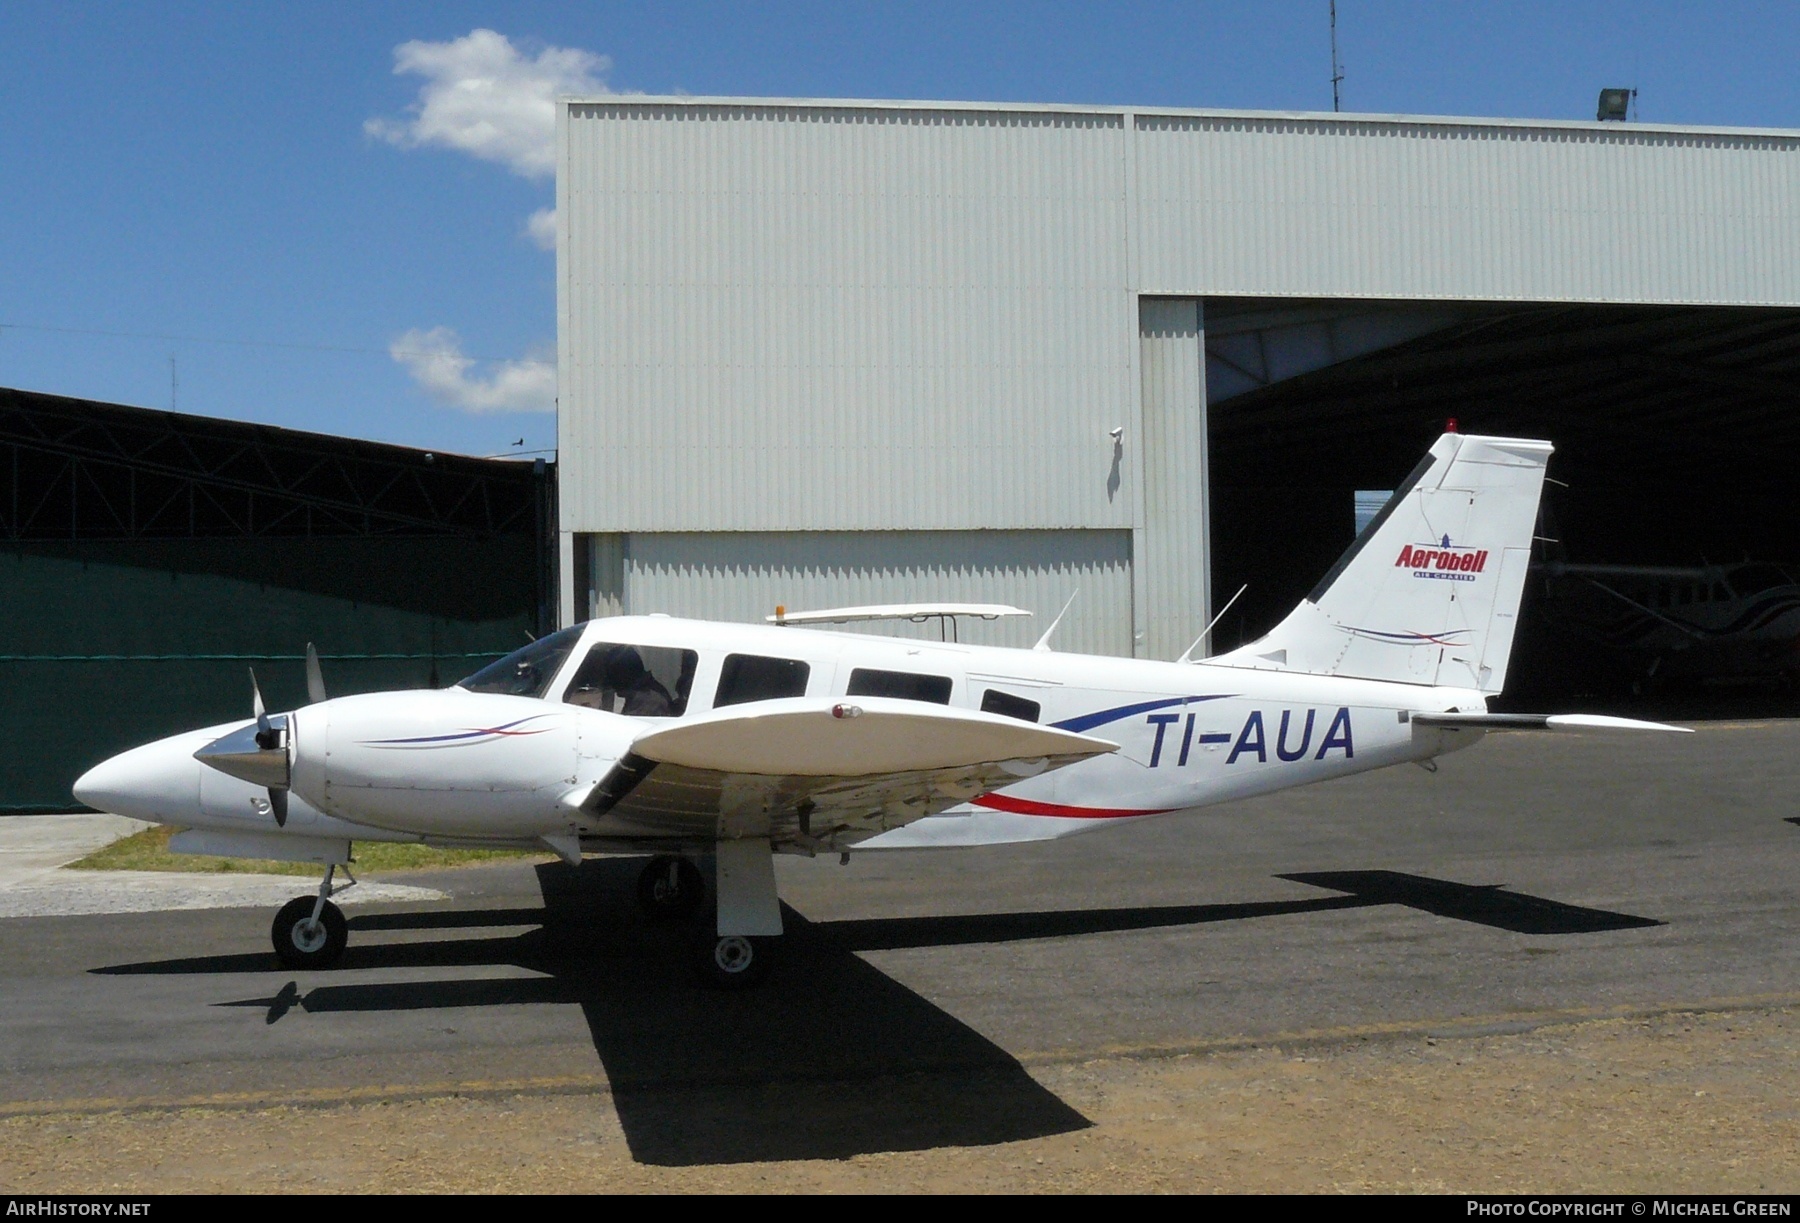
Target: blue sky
<point x="255" y="192"/>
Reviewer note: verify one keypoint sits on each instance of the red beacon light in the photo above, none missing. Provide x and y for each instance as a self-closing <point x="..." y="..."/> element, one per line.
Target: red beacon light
<point x="1450" y="425"/>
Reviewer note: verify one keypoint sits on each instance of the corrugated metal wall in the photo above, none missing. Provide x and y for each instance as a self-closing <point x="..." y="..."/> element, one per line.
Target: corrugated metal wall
<point x="794" y="318"/>
<point x="744" y="576"/>
<point x="1174" y="555"/>
<point x="1323" y="207"/>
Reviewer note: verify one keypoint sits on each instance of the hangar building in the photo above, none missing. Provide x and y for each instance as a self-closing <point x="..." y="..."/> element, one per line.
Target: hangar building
<point x="826" y="352"/>
<point x="151" y="557"/>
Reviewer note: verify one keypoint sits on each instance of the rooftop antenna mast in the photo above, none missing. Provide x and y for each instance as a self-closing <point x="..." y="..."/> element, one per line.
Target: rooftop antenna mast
<point x="1337" y="72"/>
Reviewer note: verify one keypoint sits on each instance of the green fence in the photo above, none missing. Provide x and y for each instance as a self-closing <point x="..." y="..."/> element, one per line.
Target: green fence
<point x="107" y="645"/>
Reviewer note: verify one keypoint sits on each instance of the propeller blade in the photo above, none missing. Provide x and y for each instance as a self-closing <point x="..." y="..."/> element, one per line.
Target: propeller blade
<point x="315" y="678"/>
<point x="266" y="738"/>
<point x="278" y="805"/>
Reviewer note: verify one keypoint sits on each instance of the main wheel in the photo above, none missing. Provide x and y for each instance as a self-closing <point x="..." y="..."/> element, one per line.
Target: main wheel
<point x="301" y="942"/>
<point x="733" y="961"/>
<point x="670" y="888"/>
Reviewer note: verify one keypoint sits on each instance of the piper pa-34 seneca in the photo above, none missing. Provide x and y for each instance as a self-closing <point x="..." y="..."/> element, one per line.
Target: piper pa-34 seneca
<point x="713" y="747"/>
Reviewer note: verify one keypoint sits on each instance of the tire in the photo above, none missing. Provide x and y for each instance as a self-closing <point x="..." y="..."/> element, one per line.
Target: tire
<point x="297" y="945"/>
<point x="658" y="900"/>
<point x="733" y="961"/>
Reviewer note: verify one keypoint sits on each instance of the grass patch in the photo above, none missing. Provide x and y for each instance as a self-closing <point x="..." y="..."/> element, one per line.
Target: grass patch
<point x="149" y="851"/>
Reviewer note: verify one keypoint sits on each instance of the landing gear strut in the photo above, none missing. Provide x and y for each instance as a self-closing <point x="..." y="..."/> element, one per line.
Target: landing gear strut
<point x="670" y="888"/>
<point x="310" y="932"/>
<point x="735" y="948"/>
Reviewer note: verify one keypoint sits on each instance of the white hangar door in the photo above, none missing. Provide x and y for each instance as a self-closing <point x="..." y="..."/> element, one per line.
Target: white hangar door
<point x="744" y="575"/>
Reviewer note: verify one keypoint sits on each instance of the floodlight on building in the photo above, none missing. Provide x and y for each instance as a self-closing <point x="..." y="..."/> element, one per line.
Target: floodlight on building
<point x="1614" y="104"/>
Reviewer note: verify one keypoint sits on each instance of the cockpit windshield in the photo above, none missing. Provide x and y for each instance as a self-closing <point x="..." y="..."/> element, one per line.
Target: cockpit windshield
<point x="526" y="672"/>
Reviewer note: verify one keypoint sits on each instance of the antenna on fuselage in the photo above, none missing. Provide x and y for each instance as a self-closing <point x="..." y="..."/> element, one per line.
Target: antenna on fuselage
<point x="1187" y="654"/>
<point x="1043" y="643"/>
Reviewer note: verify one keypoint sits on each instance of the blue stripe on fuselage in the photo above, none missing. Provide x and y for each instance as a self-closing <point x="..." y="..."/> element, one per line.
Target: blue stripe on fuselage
<point x="1088" y="721"/>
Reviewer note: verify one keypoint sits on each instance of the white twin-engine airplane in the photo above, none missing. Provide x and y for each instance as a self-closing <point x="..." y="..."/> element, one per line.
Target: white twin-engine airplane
<point x="725" y="744"/>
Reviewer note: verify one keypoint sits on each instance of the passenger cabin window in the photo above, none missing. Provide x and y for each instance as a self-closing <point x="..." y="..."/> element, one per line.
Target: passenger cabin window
<point x="749" y="677"/>
<point x="901" y="685"/>
<point x="1009" y="706"/>
<point x="528" y="671"/>
<point x="641" y="681"/>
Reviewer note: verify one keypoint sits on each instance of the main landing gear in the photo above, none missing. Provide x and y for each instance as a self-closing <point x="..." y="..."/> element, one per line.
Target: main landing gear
<point x="733" y="944"/>
<point x="670" y="888"/>
<point x="732" y="961"/>
<point x="310" y="932"/>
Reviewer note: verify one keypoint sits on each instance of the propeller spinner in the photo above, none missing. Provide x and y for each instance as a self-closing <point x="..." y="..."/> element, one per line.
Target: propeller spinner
<point x="257" y="754"/>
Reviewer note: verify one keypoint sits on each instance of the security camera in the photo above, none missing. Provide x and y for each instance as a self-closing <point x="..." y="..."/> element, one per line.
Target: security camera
<point x="1117" y="432"/>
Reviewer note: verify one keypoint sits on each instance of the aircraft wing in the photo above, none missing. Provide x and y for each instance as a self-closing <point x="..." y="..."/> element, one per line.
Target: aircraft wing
<point x="821" y="773"/>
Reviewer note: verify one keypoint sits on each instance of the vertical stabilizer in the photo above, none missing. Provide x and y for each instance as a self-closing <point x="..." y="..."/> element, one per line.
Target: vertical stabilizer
<point x="1429" y="592"/>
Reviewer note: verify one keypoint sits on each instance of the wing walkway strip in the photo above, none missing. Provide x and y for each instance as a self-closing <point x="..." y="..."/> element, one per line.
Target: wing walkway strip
<point x="1466" y="1027"/>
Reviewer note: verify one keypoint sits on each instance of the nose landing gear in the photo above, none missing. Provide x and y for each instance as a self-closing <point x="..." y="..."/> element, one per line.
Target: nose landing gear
<point x="310" y="932"/>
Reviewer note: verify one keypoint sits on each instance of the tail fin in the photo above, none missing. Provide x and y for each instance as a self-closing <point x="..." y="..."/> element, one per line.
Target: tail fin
<point x="1429" y="592"/>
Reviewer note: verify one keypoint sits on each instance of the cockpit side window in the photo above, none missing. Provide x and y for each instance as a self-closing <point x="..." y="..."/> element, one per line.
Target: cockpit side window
<point x="528" y="671"/>
<point x="750" y="677"/>
<point x="640" y="681"/>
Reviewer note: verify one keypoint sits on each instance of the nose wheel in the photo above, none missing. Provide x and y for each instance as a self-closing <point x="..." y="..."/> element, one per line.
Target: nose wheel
<point x="670" y="888"/>
<point x="310" y="931"/>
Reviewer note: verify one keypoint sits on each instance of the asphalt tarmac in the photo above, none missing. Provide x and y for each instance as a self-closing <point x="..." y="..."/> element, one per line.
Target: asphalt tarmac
<point x="1530" y="880"/>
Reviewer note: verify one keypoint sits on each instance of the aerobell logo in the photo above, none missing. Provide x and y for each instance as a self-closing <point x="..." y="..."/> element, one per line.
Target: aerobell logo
<point x="1444" y="561"/>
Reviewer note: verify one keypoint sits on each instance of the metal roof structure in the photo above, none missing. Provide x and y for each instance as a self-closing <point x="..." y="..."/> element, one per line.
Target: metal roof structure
<point x="75" y="469"/>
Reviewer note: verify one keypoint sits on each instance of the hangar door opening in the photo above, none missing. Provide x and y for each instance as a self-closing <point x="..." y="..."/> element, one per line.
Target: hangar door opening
<point x="1669" y="541"/>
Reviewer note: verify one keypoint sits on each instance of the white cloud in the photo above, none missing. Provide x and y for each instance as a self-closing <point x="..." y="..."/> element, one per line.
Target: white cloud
<point x="485" y="97"/>
<point x="436" y="362"/>
<point x="540" y="227"/>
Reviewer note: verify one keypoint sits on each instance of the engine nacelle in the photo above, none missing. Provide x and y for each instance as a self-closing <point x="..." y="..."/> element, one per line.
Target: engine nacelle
<point x="452" y="763"/>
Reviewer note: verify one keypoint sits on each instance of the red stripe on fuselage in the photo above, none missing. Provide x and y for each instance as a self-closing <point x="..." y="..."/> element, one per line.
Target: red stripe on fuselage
<point x="1026" y="806"/>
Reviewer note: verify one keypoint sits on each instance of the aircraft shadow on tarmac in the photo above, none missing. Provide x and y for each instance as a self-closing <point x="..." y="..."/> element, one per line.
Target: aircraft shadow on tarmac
<point x="833" y="1058"/>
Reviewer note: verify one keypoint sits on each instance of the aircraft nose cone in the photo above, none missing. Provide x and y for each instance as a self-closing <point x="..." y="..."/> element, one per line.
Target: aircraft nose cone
<point x="155" y="782"/>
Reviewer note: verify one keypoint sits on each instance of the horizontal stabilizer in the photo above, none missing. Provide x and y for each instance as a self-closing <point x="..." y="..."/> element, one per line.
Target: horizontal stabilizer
<point x="857" y="737"/>
<point x="1541" y="721"/>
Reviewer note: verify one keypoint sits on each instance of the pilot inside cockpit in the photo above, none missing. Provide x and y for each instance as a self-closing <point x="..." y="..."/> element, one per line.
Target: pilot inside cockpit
<point x="618" y="679"/>
<point x="639" y="695"/>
